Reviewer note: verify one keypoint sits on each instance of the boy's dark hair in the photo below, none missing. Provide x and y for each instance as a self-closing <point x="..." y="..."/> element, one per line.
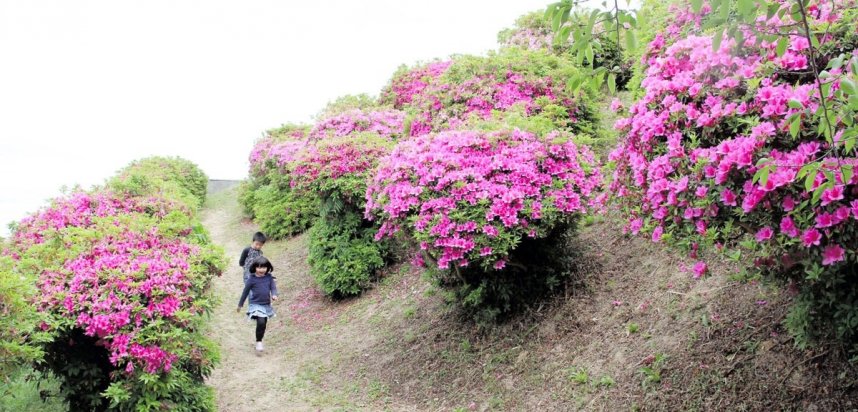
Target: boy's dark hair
<point x="259" y="237"/>
<point x="261" y="261"/>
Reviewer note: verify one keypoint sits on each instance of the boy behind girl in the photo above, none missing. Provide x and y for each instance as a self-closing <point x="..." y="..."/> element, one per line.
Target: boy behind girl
<point x="250" y="253"/>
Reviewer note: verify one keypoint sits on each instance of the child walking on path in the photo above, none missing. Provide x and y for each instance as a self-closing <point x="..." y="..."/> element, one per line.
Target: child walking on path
<point x="250" y="253"/>
<point x="264" y="291"/>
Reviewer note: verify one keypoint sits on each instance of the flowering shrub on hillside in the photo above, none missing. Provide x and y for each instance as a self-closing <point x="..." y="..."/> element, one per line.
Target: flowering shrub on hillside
<point x="446" y="95"/>
<point x="124" y="280"/>
<point x="469" y="199"/>
<point x="343" y="252"/>
<point x="531" y="31"/>
<point x="311" y="159"/>
<point x="267" y="196"/>
<point x="387" y="123"/>
<point x="722" y="143"/>
<point x="19" y="323"/>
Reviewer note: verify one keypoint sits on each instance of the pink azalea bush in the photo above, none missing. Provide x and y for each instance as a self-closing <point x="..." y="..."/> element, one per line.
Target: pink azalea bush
<point x="124" y="282"/>
<point x="532" y="31"/>
<point x="448" y="95"/>
<point x="344" y="255"/>
<point x="387" y="123"/>
<point x="300" y="156"/>
<point x="468" y="197"/>
<point x="718" y="143"/>
<point x="481" y="205"/>
<point x="267" y="196"/>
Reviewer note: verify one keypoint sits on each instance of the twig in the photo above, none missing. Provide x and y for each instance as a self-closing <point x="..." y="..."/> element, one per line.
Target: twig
<point x="791" y="368"/>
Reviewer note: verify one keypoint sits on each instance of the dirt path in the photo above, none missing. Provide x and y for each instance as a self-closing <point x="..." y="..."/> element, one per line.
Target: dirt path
<point x="244" y="380"/>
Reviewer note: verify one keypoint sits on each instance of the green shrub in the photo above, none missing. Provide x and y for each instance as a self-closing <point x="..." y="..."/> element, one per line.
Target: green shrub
<point x="542" y="266"/>
<point x="343" y="255"/>
<point x="125" y="277"/>
<point x="282" y="212"/>
<point x="157" y="174"/>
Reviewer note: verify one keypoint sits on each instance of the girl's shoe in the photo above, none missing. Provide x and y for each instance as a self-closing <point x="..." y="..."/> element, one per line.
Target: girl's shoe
<point x="259" y="346"/>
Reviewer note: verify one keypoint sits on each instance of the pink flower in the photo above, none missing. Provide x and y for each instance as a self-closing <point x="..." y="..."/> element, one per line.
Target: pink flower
<point x="728" y="197"/>
<point x="832" y="254"/>
<point x="764" y="234"/>
<point x="656" y="234"/>
<point x="832" y="195"/>
<point x="700" y="269"/>
<point x="811" y="237"/>
<point x="788" y="204"/>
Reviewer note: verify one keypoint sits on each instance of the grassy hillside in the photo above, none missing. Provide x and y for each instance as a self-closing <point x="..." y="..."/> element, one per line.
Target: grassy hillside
<point x="632" y="332"/>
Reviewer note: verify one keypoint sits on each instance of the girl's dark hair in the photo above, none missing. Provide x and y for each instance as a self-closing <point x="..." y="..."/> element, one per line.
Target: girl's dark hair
<point x="261" y="261"/>
<point x="259" y="237"/>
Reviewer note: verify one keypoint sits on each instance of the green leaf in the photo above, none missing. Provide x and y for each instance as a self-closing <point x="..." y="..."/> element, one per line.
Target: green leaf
<point x="772" y="9"/>
<point x="846" y="170"/>
<point x="716" y="40"/>
<point x="696" y="5"/>
<point x="612" y="83"/>
<point x="762" y="175"/>
<point x="818" y="192"/>
<point x="549" y="11"/>
<point x="746" y="9"/>
<point x="564" y="17"/>
<point x="781" y="47"/>
<point x="795" y="126"/>
<point x="811" y="176"/>
<point x="849" y="137"/>
<point x="588" y="53"/>
<point x="848" y="86"/>
<point x="836" y="63"/>
<point x="563" y="35"/>
<point x="795" y="104"/>
<point x="631" y="41"/>
<point x="724" y="11"/>
<point x="555" y="21"/>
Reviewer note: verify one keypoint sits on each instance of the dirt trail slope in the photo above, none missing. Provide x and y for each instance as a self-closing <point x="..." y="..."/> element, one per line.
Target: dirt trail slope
<point x="245" y="381"/>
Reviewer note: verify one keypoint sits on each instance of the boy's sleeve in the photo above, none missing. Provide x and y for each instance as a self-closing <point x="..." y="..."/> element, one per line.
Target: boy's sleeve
<point x="244" y="294"/>
<point x="242" y="258"/>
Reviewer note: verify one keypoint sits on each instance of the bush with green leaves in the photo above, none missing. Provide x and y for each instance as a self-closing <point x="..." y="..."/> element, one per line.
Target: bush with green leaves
<point x="447" y="95"/>
<point x="475" y="203"/>
<point x="181" y="177"/>
<point x="267" y="195"/>
<point x="123" y="278"/>
<point x="344" y="256"/>
<point x="20" y="331"/>
<point x="747" y="137"/>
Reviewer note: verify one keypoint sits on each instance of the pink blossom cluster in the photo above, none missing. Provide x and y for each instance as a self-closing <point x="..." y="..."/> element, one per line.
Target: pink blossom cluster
<point x="343" y="164"/>
<point x="387" y="123"/>
<point x="412" y="82"/>
<point x="531" y="38"/>
<point x="113" y="281"/>
<point x="709" y="121"/>
<point x="469" y="196"/>
<point x="276" y="152"/>
<point x="441" y="101"/>
<point x="80" y="209"/>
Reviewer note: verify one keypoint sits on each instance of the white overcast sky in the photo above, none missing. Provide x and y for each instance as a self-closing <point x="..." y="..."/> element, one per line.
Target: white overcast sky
<point x="88" y="86"/>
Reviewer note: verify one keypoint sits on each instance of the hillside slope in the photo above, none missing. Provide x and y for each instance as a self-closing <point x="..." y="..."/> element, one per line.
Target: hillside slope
<point x="632" y="332"/>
